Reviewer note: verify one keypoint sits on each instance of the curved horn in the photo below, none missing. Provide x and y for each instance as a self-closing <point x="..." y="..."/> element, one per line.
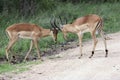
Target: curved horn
<point x="55" y="23"/>
<point x="63" y="22"/>
<point x="51" y="22"/>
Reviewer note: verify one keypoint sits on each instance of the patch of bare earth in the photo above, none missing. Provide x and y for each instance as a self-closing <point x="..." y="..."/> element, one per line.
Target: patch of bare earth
<point x="67" y="66"/>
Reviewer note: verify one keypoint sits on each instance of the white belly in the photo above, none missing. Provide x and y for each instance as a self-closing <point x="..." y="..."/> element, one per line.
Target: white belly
<point x="25" y="35"/>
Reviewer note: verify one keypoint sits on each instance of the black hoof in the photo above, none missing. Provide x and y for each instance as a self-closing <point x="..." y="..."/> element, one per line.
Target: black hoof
<point x="106" y="53"/>
<point x="7" y="60"/>
<point x="80" y="56"/>
<point x="92" y="54"/>
<point x="90" y="57"/>
<point x="106" y="56"/>
<point x="41" y="60"/>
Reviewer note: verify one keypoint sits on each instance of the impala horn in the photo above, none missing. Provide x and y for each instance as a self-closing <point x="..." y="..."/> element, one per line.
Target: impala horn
<point x="52" y="24"/>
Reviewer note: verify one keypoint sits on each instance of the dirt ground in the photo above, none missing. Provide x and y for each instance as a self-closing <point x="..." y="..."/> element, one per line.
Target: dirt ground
<point x="67" y="66"/>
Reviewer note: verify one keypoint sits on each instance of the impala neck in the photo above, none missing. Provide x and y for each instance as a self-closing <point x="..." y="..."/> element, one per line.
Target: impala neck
<point x="46" y="32"/>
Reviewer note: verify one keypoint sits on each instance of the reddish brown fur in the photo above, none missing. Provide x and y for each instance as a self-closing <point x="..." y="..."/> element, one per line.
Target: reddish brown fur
<point x="87" y="19"/>
<point x="23" y="27"/>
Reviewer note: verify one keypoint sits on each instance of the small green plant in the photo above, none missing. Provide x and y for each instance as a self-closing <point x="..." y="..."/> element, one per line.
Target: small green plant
<point x="6" y="67"/>
<point x="17" y="68"/>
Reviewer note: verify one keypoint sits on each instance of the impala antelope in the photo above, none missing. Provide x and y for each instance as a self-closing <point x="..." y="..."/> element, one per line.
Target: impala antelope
<point x="28" y="31"/>
<point x="90" y="23"/>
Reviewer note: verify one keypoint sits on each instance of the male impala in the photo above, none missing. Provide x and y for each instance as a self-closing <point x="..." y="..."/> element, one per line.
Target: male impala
<point x="89" y="23"/>
<point x="28" y="31"/>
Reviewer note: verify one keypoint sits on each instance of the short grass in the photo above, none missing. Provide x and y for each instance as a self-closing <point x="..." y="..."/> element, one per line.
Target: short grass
<point x="17" y="68"/>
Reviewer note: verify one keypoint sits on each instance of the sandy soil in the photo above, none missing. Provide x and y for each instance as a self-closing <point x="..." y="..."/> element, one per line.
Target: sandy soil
<point x="67" y="66"/>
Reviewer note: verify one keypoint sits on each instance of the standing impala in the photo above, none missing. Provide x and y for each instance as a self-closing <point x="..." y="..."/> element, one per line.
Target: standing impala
<point x="28" y="31"/>
<point x="89" y="23"/>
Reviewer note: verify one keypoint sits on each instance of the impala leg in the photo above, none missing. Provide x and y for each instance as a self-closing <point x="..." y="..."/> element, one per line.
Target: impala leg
<point x="36" y="45"/>
<point x="65" y="36"/>
<point x="80" y="35"/>
<point x="103" y="38"/>
<point x="10" y="44"/>
<point x="31" y="46"/>
<point x="95" y="43"/>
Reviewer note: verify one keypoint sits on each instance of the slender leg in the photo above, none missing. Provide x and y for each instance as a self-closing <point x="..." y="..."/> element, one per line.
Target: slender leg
<point x="104" y="39"/>
<point x="36" y="45"/>
<point x="65" y="35"/>
<point x="10" y="44"/>
<point x="80" y="35"/>
<point x="31" y="46"/>
<point x="95" y="43"/>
